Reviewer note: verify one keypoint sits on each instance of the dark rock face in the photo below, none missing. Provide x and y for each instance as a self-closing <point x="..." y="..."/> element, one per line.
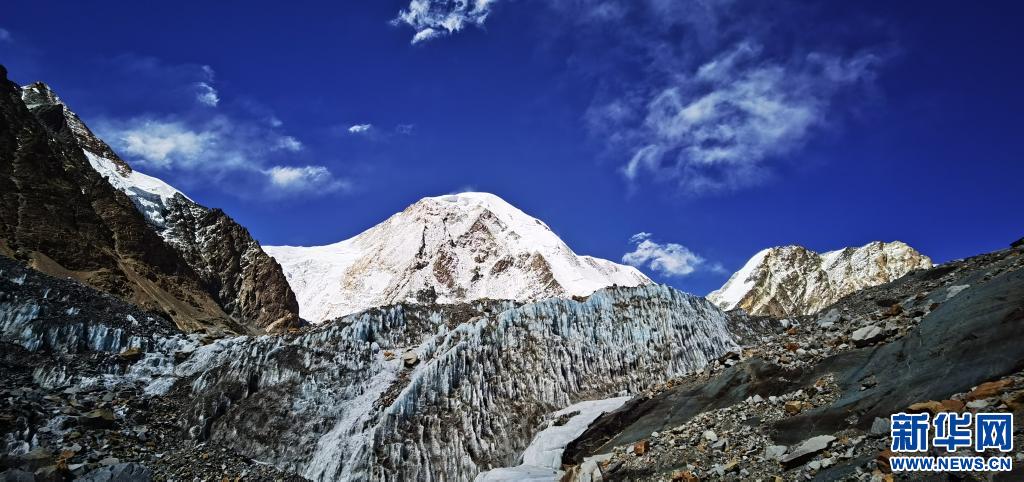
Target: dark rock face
<point x="246" y="282"/>
<point x="57" y="212"/>
<point x="199" y="267"/>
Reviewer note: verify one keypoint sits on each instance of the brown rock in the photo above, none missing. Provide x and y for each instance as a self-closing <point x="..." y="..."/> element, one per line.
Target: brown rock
<point x="794" y="407"/>
<point x="1015" y="401"/>
<point x="988" y="389"/>
<point x="894" y="310"/>
<point x="101" y="418"/>
<point x="641" y="447"/>
<point x="931" y="406"/>
<point x="684" y="476"/>
<point x="131" y="355"/>
<point x="883" y="461"/>
<point x="791" y="346"/>
<point x="952" y="405"/>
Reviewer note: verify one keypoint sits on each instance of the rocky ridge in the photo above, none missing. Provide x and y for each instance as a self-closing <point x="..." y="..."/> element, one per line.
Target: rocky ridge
<point x="792" y="280"/>
<point x="194" y="264"/>
<point x="809" y="397"/>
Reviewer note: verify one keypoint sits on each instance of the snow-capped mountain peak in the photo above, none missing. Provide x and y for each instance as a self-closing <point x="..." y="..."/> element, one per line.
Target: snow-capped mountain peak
<point x="462" y="246"/>
<point x="793" y="280"/>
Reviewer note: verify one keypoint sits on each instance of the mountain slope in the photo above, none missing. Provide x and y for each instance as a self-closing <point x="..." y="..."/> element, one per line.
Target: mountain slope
<point x="463" y="247"/>
<point x="247" y="283"/>
<point x="793" y="280"/>
<point x="59" y="212"/>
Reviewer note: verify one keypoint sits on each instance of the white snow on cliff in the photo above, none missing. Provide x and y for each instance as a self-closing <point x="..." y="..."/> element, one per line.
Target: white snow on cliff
<point x="464" y="246"/>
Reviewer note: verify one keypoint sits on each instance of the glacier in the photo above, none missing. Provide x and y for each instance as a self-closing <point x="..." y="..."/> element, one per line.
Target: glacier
<point x="409" y="391"/>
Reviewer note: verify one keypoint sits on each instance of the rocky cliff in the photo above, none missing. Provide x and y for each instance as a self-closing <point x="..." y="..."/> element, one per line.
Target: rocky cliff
<point x="793" y="280"/>
<point x="73" y="207"/>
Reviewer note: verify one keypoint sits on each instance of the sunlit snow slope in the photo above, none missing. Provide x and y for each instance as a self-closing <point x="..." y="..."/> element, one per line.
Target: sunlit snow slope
<point x="465" y="246"/>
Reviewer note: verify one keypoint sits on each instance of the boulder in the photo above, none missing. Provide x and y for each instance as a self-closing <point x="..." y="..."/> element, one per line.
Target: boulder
<point x="101" y="418"/>
<point x="988" y="390"/>
<point x="807" y="450"/>
<point x="410" y="359"/>
<point x="641" y="447"/>
<point x="774" y="452"/>
<point x="867" y="335"/>
<point x="794" y="407"/>
<point x="931" y="406"/>
<point x="131" y="355"/>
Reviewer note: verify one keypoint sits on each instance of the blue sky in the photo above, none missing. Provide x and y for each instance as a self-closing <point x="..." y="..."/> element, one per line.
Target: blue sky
<point x="719" y="127"/>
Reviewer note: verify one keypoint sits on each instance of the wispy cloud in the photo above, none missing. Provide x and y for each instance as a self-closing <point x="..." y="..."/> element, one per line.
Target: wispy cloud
<point x="669" y="259"/>
<point x="220" y="148"/>
<point x="360" y="128"/>
<point x="305" y="179"/>
<point x="289" y="143"/>
<point x="434" y="18"/>
<point x="5" y="35"/>
<point x="191" y="134"/>
<point x="708" y="96"/>
<point x="206" y="94"/>
<point x="721" y="126"/>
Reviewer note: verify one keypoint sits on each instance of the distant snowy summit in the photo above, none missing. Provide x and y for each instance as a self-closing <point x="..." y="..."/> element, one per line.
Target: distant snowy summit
<point x="793" y="280"/>
<point x="462" y="247"/>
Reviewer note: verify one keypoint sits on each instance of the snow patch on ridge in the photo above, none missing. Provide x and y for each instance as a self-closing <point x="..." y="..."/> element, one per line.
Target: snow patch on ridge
<point x="149" y="194"/>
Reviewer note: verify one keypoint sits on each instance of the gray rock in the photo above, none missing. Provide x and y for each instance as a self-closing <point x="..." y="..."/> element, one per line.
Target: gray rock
<point x="128" y="472"/>
<point x="867" y="335"/>
<point x="774" y="452"/>
<point x="710" y="436"/>
<point x="809" y="448"/>
<point x="880" y="426"/>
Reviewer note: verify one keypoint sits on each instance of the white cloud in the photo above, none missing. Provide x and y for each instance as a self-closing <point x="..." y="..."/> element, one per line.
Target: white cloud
<point x="434" y="18"/>
<point x="360" y="128"/>
<point x="723" y="125"/>
<point x="218" y="149"/>
<point x="161" y="144"/>
<point x="206" y="94"/>
<point x="5" y="35"/>
<point x="669" y="259"/>
<point x="304" y="179"/>
<point x="289" y="143"/>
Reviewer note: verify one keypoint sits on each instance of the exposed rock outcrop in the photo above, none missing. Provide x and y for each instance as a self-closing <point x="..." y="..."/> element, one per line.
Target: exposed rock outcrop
<point x="793" y="280"/>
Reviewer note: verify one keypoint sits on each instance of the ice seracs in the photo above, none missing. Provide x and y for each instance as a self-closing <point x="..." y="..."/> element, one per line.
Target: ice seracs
<point x="462" y="247"/>
<point x="793" y="280"/>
